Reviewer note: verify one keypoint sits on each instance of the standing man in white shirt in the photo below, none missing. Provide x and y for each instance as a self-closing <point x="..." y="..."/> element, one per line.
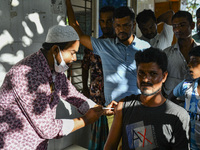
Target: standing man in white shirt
<point x="147" y="23"/>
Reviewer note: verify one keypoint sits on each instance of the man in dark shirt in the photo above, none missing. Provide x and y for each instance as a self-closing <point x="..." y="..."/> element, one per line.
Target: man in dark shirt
<point x="149" y="120"/>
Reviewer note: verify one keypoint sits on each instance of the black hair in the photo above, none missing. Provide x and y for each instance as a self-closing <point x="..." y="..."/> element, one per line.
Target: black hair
<point x="48" y="46"/>
<point x="152" y="55"/>
<point x="107" y="9"/>
<point x="124" y="11"/>
<point x="145" y="15"/>
<point x="198" y="11"/>
<point x="195" y="51"/>
<point x="184" y="14"/>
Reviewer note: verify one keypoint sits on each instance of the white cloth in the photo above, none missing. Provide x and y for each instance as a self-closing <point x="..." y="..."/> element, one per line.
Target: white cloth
<point x="162" y="40"/>
<point x="68" y="126"/>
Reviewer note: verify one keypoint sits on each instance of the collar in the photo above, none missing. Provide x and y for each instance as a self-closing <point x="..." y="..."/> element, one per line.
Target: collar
<point x="196" y="82"/>
<point x="148" y="40"/>
<point x="196" y="44"/>
<point x="45" y="67"/>
<point x="176" y="46"/>
<point x="133" y="42"/>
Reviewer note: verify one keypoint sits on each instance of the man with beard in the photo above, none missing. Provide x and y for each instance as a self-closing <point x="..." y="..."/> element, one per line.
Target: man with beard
<point x="149" y="120"/>
<point x="95" y="92"/>
<point x="177" y="54"/>
<point x="117" y="54"/>
<point x="196" y="37"/>
<point x="147" y="23"/>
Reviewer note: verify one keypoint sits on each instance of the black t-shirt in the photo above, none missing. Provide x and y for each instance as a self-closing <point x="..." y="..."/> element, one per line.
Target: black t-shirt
<point x="164" y="127"/>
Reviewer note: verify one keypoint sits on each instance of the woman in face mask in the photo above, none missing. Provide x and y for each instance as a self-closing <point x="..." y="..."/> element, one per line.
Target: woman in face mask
<point x="32" y="89"/>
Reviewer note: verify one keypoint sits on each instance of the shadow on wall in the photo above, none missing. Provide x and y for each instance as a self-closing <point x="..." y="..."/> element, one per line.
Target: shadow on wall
<point x="24" y="25"/>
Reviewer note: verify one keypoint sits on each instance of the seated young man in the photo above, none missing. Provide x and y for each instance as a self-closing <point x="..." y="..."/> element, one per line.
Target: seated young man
<point x="149" y="120"/>
<point x="190" y="89"/>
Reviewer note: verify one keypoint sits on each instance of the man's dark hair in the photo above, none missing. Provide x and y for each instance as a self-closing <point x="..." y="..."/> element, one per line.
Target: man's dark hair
<point x="48" y="46"/>
<point x="145" y="15"/>
<point x="107" y="9"/>
<point x="124" y="11"/>
<point x="195" y="51"/>
<point x="184" y="14"/>
<point x="152" y="55"/>
<point x="198" y="11"/>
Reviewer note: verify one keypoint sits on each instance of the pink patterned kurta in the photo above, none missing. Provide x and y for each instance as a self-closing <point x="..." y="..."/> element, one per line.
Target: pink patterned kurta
<point x="28" y="106"/>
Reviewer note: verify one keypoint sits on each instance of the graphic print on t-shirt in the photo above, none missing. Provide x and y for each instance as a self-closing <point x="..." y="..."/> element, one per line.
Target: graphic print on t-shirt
<point x="140" y="137"/>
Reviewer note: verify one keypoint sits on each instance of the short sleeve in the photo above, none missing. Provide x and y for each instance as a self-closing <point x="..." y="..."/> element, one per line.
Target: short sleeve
<point x="168" y="33"/>
<point x="179" y="90"/>
<point x="95" y="45"/>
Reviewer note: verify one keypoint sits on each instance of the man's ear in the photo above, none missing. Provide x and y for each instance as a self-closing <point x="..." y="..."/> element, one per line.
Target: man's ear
<point x="134" y="26"/>
<point x="165" y="74"/>
<point x="192" y="25"/>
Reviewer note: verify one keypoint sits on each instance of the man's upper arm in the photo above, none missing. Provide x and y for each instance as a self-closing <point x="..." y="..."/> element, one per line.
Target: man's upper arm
<point x="84" y="39"/>
<point x="168" y="33"/>
<point x="179" y="89"/>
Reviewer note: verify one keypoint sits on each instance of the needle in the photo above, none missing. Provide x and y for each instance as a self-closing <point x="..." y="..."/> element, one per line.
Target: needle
<point x="108" y="108"/>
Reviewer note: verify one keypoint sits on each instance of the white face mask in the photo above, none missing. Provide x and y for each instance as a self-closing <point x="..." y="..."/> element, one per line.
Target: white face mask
<point x="62" y="67"/>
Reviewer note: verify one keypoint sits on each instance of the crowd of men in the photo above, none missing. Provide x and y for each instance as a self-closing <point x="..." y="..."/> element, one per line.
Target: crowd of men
<point x="115" y="51"/>
<point x="137" y="90"/>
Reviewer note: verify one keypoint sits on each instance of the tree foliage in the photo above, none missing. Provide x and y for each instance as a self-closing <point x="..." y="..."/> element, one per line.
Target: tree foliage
<point x="191" y="6"/>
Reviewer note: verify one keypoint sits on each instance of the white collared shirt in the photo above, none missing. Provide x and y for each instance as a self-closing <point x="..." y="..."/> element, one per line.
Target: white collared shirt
<point x="162" y="40"/>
